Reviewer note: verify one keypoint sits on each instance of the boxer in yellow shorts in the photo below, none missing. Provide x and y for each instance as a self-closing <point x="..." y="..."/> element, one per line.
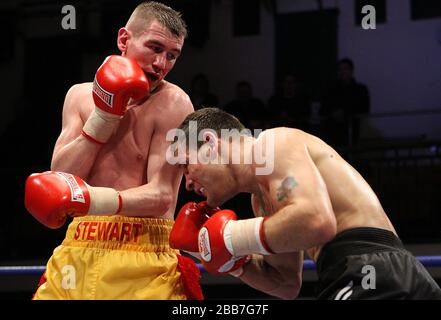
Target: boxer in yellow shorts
<point x="118" y="258"/>
<point x="109" y="170"/>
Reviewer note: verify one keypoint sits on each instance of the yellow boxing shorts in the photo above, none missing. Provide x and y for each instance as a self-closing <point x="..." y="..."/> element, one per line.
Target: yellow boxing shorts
<point x="118" y="257"/>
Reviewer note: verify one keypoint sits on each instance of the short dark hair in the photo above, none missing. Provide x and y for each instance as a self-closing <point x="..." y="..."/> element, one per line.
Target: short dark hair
<point x="211" y="119"/>
<point x="347" y="61"/>
<point x="147" y="11"/>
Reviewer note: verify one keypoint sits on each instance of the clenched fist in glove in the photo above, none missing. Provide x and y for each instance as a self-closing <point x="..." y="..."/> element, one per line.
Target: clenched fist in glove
<point x="225" y="243"/>
<point x="117" y="80"/>
<point x="53" y="196"/>
<point x="191" y="217"/>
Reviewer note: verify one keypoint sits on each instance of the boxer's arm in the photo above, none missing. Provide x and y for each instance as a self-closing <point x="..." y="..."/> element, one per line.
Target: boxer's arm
<point x="306" y="218"/>
<point x="282" y="279"/>
<point x="73" y="152"/>
<point x="154" y="198"/>
<point x="117" y="80"/>
<point x="160" y="193"/>
<point x="303" y="217"/>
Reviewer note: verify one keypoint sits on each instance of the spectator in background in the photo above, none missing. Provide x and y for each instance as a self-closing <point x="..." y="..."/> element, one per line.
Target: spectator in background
<point x="200" y="93"/>
<point x="290" y="104"/>
<point x="250" y="110"/>
<point x="344" y="104"/>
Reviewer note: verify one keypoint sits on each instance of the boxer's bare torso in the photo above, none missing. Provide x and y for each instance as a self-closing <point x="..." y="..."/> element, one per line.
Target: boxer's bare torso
<point x="353" y="201"/>
<point x="136" y="151"/>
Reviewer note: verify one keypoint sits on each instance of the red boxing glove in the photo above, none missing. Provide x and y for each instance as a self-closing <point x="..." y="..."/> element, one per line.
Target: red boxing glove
<point x="184" y="234"/>
<point x="117" y="80"/>
<point x="214" y="241"/>
<point x="205" y="208"/>
<point x="51" y="196"/>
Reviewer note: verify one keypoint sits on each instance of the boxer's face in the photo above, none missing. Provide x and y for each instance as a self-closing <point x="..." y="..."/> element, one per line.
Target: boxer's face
<point x="210" y="180"/>
<point x="156" y="50"/>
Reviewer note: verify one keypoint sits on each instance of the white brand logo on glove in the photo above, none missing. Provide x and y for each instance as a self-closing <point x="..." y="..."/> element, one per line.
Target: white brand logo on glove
<point x="204" y="244"/>
<point x="76" y="193"/>
<point x="104" y="95"/>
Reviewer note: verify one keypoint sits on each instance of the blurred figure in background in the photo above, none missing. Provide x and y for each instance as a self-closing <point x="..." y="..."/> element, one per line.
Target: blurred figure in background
<point x="344" y="104"/>
<point x="246" y="107"/>
<point x="290" y="105"/>
<point x="200" y="94"/>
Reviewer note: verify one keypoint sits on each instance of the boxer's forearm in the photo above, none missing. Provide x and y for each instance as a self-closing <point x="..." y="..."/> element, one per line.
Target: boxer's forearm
<point x="76" y="157"/>
<point x="263" y="277"/>
<point x="299" y="227"/>
<point x="149" y="200"/>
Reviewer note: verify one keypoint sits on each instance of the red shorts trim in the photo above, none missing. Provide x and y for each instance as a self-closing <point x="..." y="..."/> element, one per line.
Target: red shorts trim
<point x="190" y="276"/>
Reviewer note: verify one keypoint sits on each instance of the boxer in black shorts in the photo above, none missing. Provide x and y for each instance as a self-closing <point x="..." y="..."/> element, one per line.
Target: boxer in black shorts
<point x="306" y="200"/>
<point x="371" y="263"/>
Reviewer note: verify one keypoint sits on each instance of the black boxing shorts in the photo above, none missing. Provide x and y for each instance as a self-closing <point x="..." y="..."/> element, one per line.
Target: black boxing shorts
<point x="371" y="263"/>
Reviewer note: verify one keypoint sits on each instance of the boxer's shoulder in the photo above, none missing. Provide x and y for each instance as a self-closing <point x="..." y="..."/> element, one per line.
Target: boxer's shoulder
<point x="79" y="99"/>
<point x="172" y="98"/>
<point x="279" y="139"/>
<point x="283" y="132"/>
<point x="79" y="92"/>
<point x="170" y="91"/>
<point x="80" y="89"/>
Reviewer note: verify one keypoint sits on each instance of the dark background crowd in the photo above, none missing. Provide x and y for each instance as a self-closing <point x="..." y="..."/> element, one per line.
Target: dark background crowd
<point x="334" y="117"/>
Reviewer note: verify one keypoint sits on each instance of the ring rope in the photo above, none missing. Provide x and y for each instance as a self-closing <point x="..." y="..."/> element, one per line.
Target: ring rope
<point x="427" y="261"/>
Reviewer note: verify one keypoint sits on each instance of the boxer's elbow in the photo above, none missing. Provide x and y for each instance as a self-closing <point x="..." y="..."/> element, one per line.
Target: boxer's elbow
<point x="155" y="204"/>
<point x="291" y="288"/>
<point x="325" y="234"/>
<point x="324" y="224"/>
<point x="164" y="201"/>
<point x="291" y="294"/>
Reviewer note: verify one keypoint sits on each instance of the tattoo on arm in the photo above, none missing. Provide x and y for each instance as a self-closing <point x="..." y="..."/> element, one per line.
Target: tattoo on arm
<point x="288" y="184"/>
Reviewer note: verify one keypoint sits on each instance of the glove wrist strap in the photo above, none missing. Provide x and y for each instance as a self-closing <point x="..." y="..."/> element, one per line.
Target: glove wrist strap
<point x="240" y="271"/>
<point x="100" y="126"/>
<point x="104" y="201"/>
<point x="247" y="237"/>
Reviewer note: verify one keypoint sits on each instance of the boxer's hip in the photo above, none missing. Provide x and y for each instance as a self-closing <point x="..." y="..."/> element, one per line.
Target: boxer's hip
<point x="371" y="263"/>
<point x="120" y="233"/>
<point x="115" y="257"/>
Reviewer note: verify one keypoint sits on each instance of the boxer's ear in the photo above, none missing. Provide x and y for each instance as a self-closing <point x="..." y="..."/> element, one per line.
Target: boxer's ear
<point x="211" y="138"/>
<point x="122" y="41"/>
<point x="208" y="151"/>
